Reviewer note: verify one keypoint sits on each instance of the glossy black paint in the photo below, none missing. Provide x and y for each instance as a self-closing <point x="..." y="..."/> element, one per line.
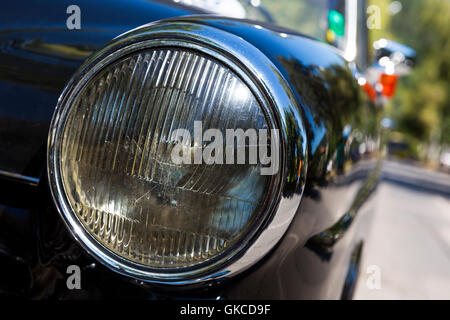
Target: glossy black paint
<point x="38" y="55"/>
<point x="313" y="260"/>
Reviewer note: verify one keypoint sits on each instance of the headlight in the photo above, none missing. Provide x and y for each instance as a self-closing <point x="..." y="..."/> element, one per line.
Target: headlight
<point x="111" y="167"/>
<point x="116" y="167"/>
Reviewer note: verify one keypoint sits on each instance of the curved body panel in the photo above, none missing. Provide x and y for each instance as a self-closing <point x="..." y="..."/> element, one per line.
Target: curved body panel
<point x="317" y="257"/>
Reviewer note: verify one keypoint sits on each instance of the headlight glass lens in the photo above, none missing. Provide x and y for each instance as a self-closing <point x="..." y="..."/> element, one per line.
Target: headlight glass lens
<point x="116" y="168"/>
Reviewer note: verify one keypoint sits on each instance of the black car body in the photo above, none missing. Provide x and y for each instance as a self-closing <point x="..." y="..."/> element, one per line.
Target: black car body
<point x="316" y="258"/>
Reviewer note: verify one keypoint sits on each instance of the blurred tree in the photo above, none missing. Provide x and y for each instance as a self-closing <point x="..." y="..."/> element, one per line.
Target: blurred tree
<point x="422" y="103"/>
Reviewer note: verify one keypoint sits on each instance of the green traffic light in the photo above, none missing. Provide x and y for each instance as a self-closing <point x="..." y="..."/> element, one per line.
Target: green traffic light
<point x="336" y="22"/>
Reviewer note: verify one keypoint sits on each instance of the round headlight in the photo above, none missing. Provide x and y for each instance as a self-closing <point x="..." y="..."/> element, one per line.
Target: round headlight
<point x="112" y="170"/>
<point x="116" y="166"/>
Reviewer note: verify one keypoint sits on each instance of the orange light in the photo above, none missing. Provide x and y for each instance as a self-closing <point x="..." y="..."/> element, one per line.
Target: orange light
<point x="369" y="90"/>
<point x="389" y="83"/>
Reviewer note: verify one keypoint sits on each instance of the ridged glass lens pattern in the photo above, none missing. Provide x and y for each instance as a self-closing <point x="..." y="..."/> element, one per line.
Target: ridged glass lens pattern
<point x="116" y="163"/>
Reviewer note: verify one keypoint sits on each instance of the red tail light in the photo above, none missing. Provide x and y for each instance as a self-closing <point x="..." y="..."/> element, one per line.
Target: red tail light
<point x="389" y="83"/>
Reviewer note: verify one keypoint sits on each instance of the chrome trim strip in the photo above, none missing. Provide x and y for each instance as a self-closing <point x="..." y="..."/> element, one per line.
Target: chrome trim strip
<point x="265" y="81"/>
<point x="20" y="178"/>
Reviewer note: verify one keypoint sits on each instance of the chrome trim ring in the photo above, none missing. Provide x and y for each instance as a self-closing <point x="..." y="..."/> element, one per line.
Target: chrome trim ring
<point x="271" y="89"/>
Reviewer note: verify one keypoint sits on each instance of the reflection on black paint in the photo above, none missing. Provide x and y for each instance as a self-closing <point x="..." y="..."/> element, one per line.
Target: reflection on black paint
<point x="322" y="243"/>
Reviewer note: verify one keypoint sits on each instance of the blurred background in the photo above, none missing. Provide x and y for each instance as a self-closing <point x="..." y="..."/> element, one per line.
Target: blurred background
<point x="416" y="111"/>
<point x="409" y="240"/>
<point x="420" y="108"/>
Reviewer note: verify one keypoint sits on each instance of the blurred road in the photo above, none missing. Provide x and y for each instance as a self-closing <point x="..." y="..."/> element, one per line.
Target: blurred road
<point x="410" y="236"/>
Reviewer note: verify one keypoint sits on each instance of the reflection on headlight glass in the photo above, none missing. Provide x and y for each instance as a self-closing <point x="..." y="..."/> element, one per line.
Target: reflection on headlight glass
<point x="116" y="163"/>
